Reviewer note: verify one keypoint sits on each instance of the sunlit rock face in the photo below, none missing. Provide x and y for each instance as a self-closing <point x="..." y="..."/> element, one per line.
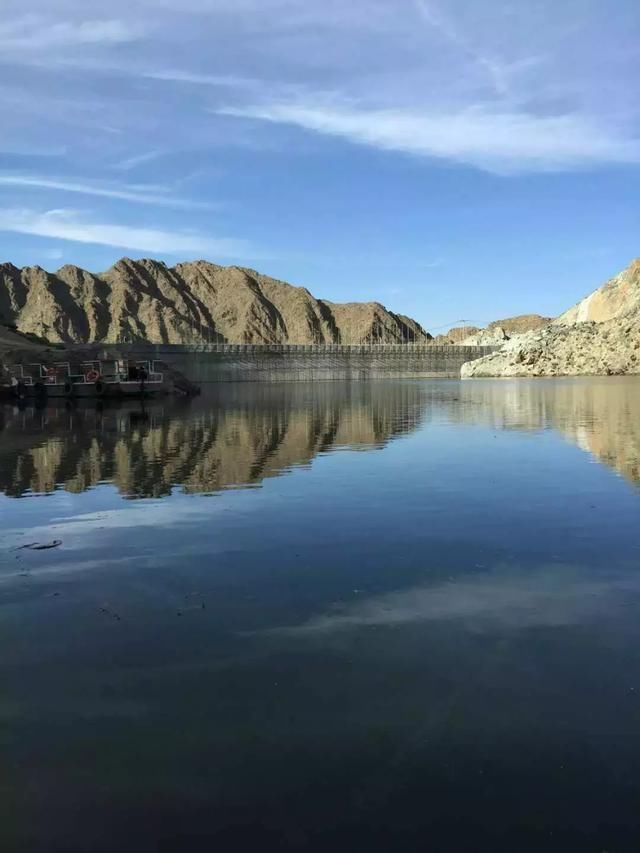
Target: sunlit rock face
<point x="583" y="349"/>
<point x="198" y="302"/>
<point x="617" y="298"/>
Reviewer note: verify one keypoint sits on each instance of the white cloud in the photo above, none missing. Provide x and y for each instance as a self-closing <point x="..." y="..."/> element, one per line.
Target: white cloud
<point x="73" y="225"/>
<point x="34" y="32"/>
<point x="137" y="194"/>
<point x="502" y="142"/>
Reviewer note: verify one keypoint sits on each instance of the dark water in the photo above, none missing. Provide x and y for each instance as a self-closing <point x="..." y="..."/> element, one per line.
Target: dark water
<point x="367" y="617"/>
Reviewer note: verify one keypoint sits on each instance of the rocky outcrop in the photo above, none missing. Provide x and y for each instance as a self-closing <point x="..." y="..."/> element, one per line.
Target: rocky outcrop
<point x="519" y="325"/>
<point x="491" y="336"/>
<point x="195" y="302"/>
<point x="618" y="297"/>
<point x="584" y="349"/>
<point x="599" y="335"/>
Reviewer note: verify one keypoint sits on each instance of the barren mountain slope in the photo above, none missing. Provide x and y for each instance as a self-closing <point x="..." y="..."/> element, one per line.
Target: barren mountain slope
<point x="189" y="303"/>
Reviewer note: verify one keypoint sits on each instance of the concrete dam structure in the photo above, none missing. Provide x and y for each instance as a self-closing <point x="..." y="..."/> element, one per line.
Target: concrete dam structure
<point x="287" y="362"/>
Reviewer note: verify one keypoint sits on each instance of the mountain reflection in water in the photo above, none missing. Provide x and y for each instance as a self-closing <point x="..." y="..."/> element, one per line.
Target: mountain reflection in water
<point x="234" y="435"/>
<point x="238" y="435"/>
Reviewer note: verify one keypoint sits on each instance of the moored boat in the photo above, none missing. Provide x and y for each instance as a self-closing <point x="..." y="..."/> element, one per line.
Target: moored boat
<point x="52" y="380"/>
<point x="89" y="380"/>
<point x="140" y="379"/>
<point x="15" y="383"/>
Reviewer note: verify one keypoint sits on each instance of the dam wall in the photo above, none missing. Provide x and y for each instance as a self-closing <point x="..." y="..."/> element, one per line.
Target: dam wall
<point x="286" y="362"/>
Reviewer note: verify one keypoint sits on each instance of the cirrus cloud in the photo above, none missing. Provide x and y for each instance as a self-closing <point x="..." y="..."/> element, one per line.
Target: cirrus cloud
<point x="73" y="225"/>
<point x="36" y="32"/>
<point x="137" y="194"/>
<point x="501" y="142"/>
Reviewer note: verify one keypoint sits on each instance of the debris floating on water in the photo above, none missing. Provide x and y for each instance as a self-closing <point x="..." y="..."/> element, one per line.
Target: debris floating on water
<point x="37" y="546"/>
<point x="109" y="612"/>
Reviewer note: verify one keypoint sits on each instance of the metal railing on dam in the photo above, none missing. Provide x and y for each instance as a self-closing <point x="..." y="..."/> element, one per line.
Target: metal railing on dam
<point x="278" y="362"/>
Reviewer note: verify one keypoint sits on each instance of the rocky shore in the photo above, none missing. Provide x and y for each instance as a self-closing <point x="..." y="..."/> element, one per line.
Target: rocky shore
<point x="598" y="336"/>
<point x="590" y="348"/>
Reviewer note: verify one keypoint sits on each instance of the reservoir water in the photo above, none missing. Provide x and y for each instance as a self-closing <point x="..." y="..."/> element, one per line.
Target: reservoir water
<point x="369" y="616"/>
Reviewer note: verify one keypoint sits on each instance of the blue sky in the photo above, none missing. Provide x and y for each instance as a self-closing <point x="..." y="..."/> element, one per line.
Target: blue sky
<point x="453" y="159"/>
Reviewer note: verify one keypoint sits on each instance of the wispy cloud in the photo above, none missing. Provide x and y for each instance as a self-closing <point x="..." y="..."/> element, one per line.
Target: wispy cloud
<point x="137" y="194"/>
<point x="35" y="32"/>
<point x="496" y="71"/>
<point x="174" y="75"/>
<point x="138" y="160"/>
<point x="30" y="150"/>
<point x="73" y="225"/>
<point x="501" y="142"/>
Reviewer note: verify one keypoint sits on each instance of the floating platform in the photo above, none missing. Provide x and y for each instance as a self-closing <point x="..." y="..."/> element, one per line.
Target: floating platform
<point x="115" y="379"/>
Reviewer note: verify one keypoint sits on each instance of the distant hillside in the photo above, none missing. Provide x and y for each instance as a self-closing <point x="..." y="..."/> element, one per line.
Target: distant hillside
<point x="520" y="324"/>
<point x="495" y="332"/>
<point x="456" y="335"/>
<point x="189" y="303"/>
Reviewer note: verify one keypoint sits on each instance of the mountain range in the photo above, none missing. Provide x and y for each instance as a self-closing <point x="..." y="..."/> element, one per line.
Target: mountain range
<point x="197" y="302"/>
<point x="202" y="302"/>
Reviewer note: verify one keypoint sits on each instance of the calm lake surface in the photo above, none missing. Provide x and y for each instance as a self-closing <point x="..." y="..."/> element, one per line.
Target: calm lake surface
<point x="333" y="617"/>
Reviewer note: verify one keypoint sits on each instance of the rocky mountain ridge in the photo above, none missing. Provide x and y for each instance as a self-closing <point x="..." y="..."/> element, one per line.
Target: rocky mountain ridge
<point x="196" y="302"/>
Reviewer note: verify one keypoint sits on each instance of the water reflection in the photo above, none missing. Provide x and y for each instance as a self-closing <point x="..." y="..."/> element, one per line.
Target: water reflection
<point x="599" y="414"/>
<point x="237" y="435"/>
<point x="233" y="436"/>
<point x="397" y="650"/>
